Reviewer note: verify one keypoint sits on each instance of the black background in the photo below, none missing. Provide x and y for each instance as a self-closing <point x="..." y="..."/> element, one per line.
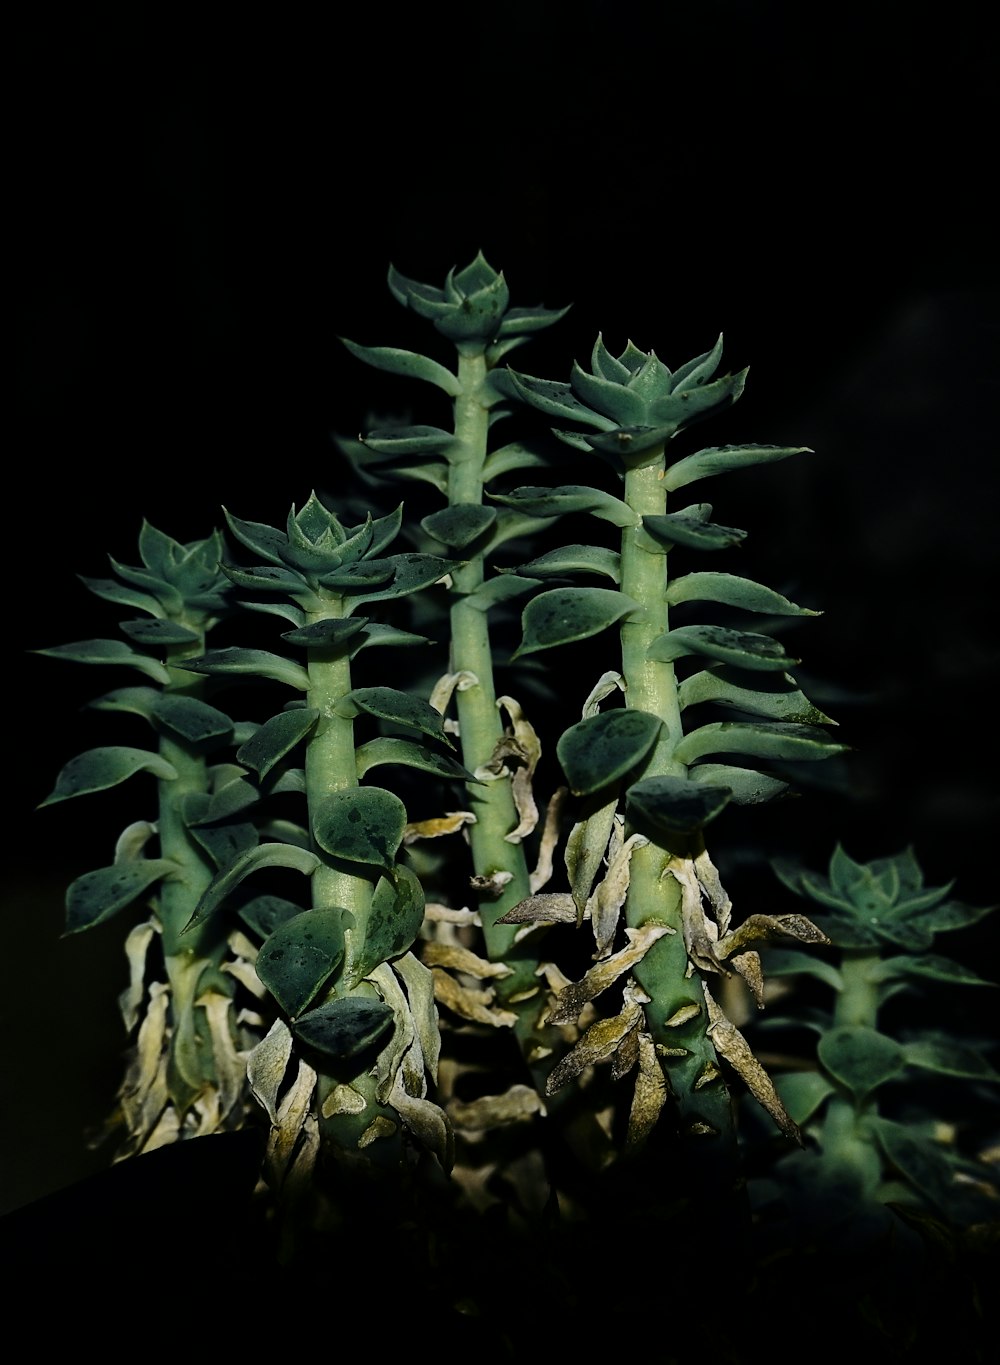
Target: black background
<point x="202" y="206"/>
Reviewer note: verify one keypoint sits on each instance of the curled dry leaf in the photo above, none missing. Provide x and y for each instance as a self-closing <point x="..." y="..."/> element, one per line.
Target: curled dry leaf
<point x="572" y="998"/>
<point x="449" y="823"/>
<point x="598" y="1044"/>
<point x="607" y="900"/>
<point x="544" y="863"/>
<point x="476" y="1006"/>
<point x="734" y="1048"/>
<point x="458" y="959"/>
<point x="650" y="1091"/>
<point x="518" y="1103"/>
<point x="545" y="908"/>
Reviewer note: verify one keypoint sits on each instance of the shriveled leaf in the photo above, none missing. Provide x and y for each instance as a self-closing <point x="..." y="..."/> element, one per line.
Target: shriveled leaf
<point x="730" y="1044"/>
<point x="468" y="1003"/>
<point x="600" y="1042"/>
<point x="546" y="908"/>
<point x="571" y="1000"/>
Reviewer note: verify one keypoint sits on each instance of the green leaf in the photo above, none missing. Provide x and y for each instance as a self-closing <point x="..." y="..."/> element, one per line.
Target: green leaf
<point x="793" y="962"/>
<point x="860" y="1058"/>
<point x="258" y="663"/>
<point x="745" y="650"/>
<point x="222" y="842"/>
<point x="556" y="399"/>
<point x="509" y="457"/>
<point x="949" y="1059"/>
<point x="276" y="738"/>
<point x="253" y="860"/>
<point x="692" y="529"/>
<point x="300" y="956"/>
<point x="190" y="719"/>
<point x="115" y="652"/>
<point x="732" y="591"/>
<point x="97" y="896"/>
<point x="406" y="363"/>
<point x="773" y="695"/>
<point x="573" y="559"/>
<point x="745" y="786"/>
<point x="390" y="927"/>
<point x="330" y="633"/>
<point x="563" y="615"/>
<point x="921" y="1162"/>
<point x="344" y="1028"/>
<point x="385" y="749"/>
<point x="460" y="525"/>
<point x="603" y="748"/>
<point x="159" y="633"/>
<point x="264" y="914"/>
<point x="122" y="595"/>
<point x="417" y="440"/>
<point x="704" y="464"/>
<point x="671" y="805"/>
<point x="560" y="502"/>
<point x="411" y="572"/>
<point x="758" y="739"/>
<point x="376" y="633"/>
<point x="802" y="1093"/>
<point x="504" y="587"/>
<point x="930" y="965"/>
<point x="361" y="825"/>
<point x="99" y="769"/>
<point x="387" y="703"/>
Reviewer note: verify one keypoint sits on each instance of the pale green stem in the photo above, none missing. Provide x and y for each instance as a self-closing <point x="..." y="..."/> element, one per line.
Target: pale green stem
<point x="331" y="766"/>
<point x="701" y="1097"/>
<point x="843" y="1140"/>
<point x="480" y="724"/>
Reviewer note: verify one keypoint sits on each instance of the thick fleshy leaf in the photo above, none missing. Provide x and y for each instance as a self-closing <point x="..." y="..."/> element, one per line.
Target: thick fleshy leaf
<point x="603" y="748"/>
<point x="254" y="860"/>
<point x="792" y="962"/>
<point x="377" y="633"/>
<point x="671" y="805"/>
<point x="344" y="1028"/>
<point x="741" y="648"/>
<point x="921" y="1161"/>
<point x="559" y="502"/>
<point x="692" y="529"/>
<point x="158" y="633"/>
<point x="503" y="587"/>
<point x="264" y="914"/>
<point x="223" y="843"/>
<point x="732" y="591"/>
<point x="930" y="965"/>
<point x="300" y="956"/>
<point x="97" y="896"/>
<point x="416" y="440"/>
<point x="108" y="652"/>
<point x="572" y="559"/>
<point x="391" y="925"/>
<point x="385" y="749"/>
<point x="949" y="1059"/>
<point x="276" y="738"/>
<point x="556" y="399"/>
<point x="330" y="633"/>
<point x="860" y="1058"/>
<point x="623" y="405"/>
<point x="387" y="703"/>
<point x="460" y="525"/>
<point x="689" y="403"/>
<point x="98" y="769"/>
<point x="758" y="739"/>
<point x="563" y="615"/>
<point x="745" y="786"/>
<point x="406" y="363"/>
<point x="802" y="1093"/>
<point x="191" y="719"/>
<point x="361" y="825"/>
<point x="509" y="457"/>
<point x="121" y="594"/>
<point x="411" y="572"/>
<point x="256" y="663"/>
<point x="704" y="464"/>
<point x="773" y="695"/>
